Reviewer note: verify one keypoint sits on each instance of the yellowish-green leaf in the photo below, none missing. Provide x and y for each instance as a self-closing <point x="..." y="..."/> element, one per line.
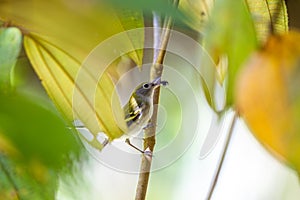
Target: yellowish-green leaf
<point x="75" y="89"/>
<point x="131" y="19"/>
<point x="268" y="14"/>
<point x="76" y="27"/>
<point x="197" y="12"/>
<point x="229" y="35"/>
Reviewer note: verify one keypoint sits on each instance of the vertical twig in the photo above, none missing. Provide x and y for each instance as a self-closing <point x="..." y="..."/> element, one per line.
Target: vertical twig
<point x="220" y="164"/>
<point x="149" y="134"/>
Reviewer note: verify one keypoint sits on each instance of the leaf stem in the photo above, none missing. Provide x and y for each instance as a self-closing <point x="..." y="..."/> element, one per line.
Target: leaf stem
<point x="149" y="133"/>
<point x="221" y="161"/>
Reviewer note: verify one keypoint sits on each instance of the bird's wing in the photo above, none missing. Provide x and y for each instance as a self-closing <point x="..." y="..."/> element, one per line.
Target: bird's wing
<point x="133" y="111"/>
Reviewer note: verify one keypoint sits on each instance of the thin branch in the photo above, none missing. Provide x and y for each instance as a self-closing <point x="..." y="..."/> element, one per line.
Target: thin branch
<point x="220" y="165"/>
<point x="149" y="134"/>
<point x="9" y="177"/>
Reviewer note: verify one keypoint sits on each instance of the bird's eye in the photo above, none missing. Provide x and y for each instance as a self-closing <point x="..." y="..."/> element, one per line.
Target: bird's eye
<point x="146" y="86"/>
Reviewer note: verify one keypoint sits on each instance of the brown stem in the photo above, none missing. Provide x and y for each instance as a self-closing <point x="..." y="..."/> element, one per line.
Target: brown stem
<point x="219" y="168"/>
<point x="149" y="133"/>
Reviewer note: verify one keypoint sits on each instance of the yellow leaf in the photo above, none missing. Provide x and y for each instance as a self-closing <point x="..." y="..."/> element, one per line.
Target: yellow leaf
<point x="268" y="96"/>
<point x="229" y="38"/>
<point x="75" y="90"/>
<point x="266" y="13"/>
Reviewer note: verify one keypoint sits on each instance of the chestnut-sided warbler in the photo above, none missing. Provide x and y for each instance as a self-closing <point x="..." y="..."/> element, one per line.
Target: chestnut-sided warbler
<point x="139" y="108"/>
<point x="137" y="111"/>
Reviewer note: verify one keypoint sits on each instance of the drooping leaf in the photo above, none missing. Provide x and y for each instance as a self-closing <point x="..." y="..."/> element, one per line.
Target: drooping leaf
<point x="75" y="89"/>
<point x="229" y="35"/>
<point x="268" y="96"/>
<point x="268" y="14"/>
<point x="10" y="46"/>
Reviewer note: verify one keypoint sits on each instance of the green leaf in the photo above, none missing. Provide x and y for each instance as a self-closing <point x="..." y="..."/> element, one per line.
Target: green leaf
<point x="10" y="46"/>
<point x="35" y="132"/>
<point x="230" y="33"/>
<point x="75" y="89"/>
<point x="18" y="182"/>
<point x="268" y="13"/>
<point x="159" y="6"/>
<point x="131" y="19"/>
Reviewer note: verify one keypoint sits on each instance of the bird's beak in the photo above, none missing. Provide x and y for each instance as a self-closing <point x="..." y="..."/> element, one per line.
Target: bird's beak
<point x="157" y="82"/>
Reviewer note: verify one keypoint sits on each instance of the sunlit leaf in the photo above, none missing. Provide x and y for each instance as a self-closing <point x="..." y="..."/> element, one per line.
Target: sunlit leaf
<point x="268" y="96"/>
<point x="75" y="89"/>
<point x="268" y="14"/>
<point x="75" y="26"/>
<point x="229" y="35"/>
<point x="197" y="11"/>
<point x="10" y="46"/>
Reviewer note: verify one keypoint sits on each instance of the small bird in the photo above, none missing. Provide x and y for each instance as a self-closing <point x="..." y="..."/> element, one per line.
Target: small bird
<point x="137" y="111"/>
<point x="139" y="108"/>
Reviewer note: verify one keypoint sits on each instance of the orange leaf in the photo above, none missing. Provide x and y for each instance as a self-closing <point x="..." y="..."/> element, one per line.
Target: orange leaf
<point x="268" y="96"/>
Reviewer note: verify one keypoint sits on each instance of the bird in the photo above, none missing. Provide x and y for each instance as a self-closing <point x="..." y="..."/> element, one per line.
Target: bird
<point x="137" y="111"/>
<point x="139" y="108"/>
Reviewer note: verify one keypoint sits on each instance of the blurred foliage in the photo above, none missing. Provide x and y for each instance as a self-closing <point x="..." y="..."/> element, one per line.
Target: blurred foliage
<point x="35" y="144"/>
<point x="161" y="7"/>
<point x="271" y="105"/>
<point x="18" y="181"/>
<point x="233" y="39"/>
<point x="37" y="133"/>
<point x="230" y="43"/>
<point x="35" y="147"/>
